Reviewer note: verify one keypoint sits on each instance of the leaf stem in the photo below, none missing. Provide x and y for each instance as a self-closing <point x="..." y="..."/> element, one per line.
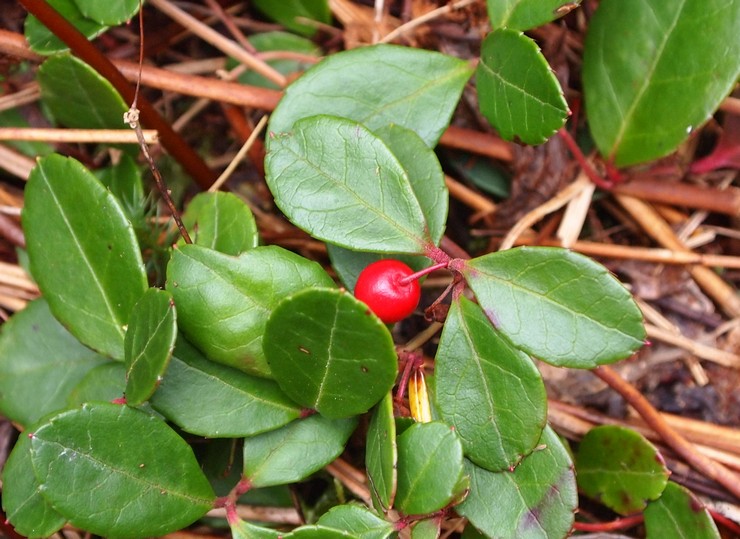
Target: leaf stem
<point x="419" y="274"/>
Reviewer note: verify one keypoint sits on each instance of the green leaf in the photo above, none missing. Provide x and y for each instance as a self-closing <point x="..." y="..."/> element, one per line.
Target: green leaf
<point x="430" y="468"/>
<point x="556" y="305"/>
<point x="296" y="450"/>
<point x="318" y="532"/>
<point x="654" y="71"/>
<point x="489" y="391"/>
<point x="105" y="383"/>
<point x="517" y="91"/>
<point x="357" y="520"/>
<point x="77" y="96"/>
<point x="222" y="222"/>
<point x="428" y="528"/>
<point x="290" y="13"/>
<point x="527" y="14"/>
<point x="125" y="182"/>
<point x="283" y="42"/>
<point x="208" y="399"/>
<point x="116" y="471"/>
<point x="381" y="454"/>
<point x="43" y="41"/>
<point x="150" y="339"/>
<point x="110" y="13"/>
<point x="414" y="88"/>
<point x="24" y="506"/>
<point x="340" y="183"/>
<point x="620" y="468"/>
<point x="678" y="514"/>
<point x="83" y="252"/>
<point x="328" y="353"/>
<point x="223" y="302"/>
<point x="536" y="500"/>
<point x="40" y="364"/>
<point x="247" y="530"/>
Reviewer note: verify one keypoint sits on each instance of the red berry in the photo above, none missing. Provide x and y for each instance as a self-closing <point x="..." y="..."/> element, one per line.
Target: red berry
<point x="381" y="288"/>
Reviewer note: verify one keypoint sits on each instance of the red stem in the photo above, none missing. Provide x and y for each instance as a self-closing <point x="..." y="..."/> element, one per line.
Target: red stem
<point x="585" y="165"/>
<point x="419" y="274"/>
<point x="618" y="524"/>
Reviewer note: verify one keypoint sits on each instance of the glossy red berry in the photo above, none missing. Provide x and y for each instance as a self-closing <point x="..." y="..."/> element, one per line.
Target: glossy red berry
<point x="381" y="288"/>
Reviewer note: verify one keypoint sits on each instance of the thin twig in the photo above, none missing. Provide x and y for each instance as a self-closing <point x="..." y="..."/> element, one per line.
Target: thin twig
<point x="83" y="136"/>
<point x="712" y="469"/>
<point x="239" y="156"/>
<point x="435" y="13"/>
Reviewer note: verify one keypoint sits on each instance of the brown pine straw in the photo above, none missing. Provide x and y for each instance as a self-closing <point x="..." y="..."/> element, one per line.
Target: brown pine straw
<point x="709" y="467"/>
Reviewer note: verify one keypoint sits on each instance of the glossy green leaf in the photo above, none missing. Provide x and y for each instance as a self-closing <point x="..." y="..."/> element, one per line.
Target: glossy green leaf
<point x="40" y="364"/>
<point x="110" y="13"/>
<point x="527" y="14"/>
<point x="77" y="96"/>
<point x="340" y="183"/>
<point x="318" y="532"/>
<point x="381" y="455"/>
<point x="329" y="353"/>
<point x="223" y="302"/>
<point x="424" y="173"/>
<point x="517" y="91"/>
<point x="24" y="506"/>
<point x="653" y="71"/>
<point x="488" y="390"/>
<point x="557" y="305"/>
<point x="246" y="530"/>
<point x="536" y="500"/>
<point x="116" y="471"/>
<point x="105" y="383"/>
<point x="86" y="263"/>
<point x="357" y="520"/>
<point x="296" y="450"/>
<point x="428" y="528"/>
<point x="150" y="340"/>
<point x="209" y="399"/>
<point x="678" y="514"/>
<point x="620" y="468"/>
<point x="417" y="89"/>
<point x="43" y="41"/>
<point x="283" y="42"/>
<point x="430" y="468"/>
<point x="222" y="222"/>
<point x="291" y="13"/>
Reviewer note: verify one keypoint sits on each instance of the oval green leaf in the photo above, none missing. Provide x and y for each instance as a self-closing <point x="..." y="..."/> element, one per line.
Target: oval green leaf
<point x="430" y="468"/>
<point x="116" y="471"/>
<point x="223" y="302"/>
<point x="538" y="499"/>
<point x="340" y="183"/>
<point x="293" y="13"/>
<point x="40" y="364"/>
<point x="43" y="41"/>
<point x="527" y="14"/>
<point x="357" y="520"/>
<point x="246" y="530"/>
<point x="150" y="340"/>
<point x="295" y="451"/>
<point x="77" y="96"/>
<point x="105" y="382"/>
<point x="488" y="390"/>
<point x="381" y="455"/>
<point x="417" y="89"/>
<point x="329" y="353"/>
<point x="523" y="102"/>
<point x="24" y="506"/>
<point x="124" y="180"/>
<point x="428" y="528"/>
<point x="209" y="399"/>
<point x="319" y="532"/>
<point x="678" y="514"/>
<point x="86" y="263"/>
<point x="110" y="13"/>
<point x="654" y="71"/>
<point x="556" y="305"/>
<point x="222" y="222"/>
<point x="620" y="468"/>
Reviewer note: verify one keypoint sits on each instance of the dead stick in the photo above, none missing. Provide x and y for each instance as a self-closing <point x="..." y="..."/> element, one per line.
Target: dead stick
<point x="678" y="443"/>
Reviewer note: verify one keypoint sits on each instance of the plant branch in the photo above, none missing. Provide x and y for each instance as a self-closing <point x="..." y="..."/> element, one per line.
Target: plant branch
<point x="712" y="469"/>
<point x="83" y="49"/>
